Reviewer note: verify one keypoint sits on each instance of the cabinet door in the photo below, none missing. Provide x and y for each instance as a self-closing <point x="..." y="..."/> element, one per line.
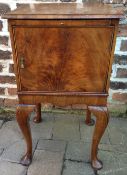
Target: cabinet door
<point x="63" y="59"/>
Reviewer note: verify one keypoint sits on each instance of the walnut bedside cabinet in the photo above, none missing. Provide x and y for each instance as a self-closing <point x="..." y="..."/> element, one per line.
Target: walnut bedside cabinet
<point x="63" y="54"/>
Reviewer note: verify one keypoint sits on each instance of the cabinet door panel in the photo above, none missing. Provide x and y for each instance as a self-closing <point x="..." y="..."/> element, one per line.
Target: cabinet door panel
<point x="63" y="58"/>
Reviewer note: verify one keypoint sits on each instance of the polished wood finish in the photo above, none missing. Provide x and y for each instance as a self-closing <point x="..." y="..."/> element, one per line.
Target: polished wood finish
<point x="64" y="43"/>
<point x="102" y="119"/>
<point x="37" y="118"/>
<point x="87" y="10"/>
<point x="22" y="115"/>
<point x="63" y="55"/>
<point x="89" y="121"/>
<point x="66" y="74"/>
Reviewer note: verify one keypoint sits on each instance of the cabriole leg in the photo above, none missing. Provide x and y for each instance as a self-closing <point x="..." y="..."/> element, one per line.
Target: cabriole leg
<point x="37" y="118"/>
<point x="102" y="118"/>
<point x="22" y="116"/>
<point x="89" y="121"/>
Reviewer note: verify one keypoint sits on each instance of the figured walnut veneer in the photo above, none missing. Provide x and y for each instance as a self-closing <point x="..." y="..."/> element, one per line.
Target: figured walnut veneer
<point x="63" y="55"/>
<point x="57" y="50"/>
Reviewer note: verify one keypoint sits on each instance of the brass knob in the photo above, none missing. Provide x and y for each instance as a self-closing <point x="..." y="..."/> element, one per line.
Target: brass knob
<point x="22" y="66"/>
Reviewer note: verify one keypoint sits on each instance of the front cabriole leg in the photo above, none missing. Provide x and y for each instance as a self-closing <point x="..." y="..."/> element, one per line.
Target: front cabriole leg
<point x="22" y="116"/>
<point x="102" y="119"/>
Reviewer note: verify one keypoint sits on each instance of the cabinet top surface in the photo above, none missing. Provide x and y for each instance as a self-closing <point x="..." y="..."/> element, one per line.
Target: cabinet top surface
<point x="84" y="10"/>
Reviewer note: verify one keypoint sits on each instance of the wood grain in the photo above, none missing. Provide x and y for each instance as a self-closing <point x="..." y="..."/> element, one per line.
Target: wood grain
<point x="86" y="10"/>
<point x="64" y="53"/>
<point x="37" y="118"/>
<point x="22" y="115"/>
<point x="63" y="62"/>
<point x="63" y="100"/>
<point x="102" y="119"/>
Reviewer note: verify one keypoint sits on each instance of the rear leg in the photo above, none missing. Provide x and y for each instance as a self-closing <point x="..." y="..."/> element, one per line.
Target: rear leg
<point x="89" y="121"/>
<point x="37" y="118"/>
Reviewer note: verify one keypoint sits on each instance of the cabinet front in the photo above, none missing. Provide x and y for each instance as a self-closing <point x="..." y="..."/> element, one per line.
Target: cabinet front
<point x="63" y="58"/>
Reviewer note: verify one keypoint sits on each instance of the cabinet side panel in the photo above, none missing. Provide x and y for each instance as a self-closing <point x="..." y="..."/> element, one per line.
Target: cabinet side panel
<point x="112" y="47"/>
